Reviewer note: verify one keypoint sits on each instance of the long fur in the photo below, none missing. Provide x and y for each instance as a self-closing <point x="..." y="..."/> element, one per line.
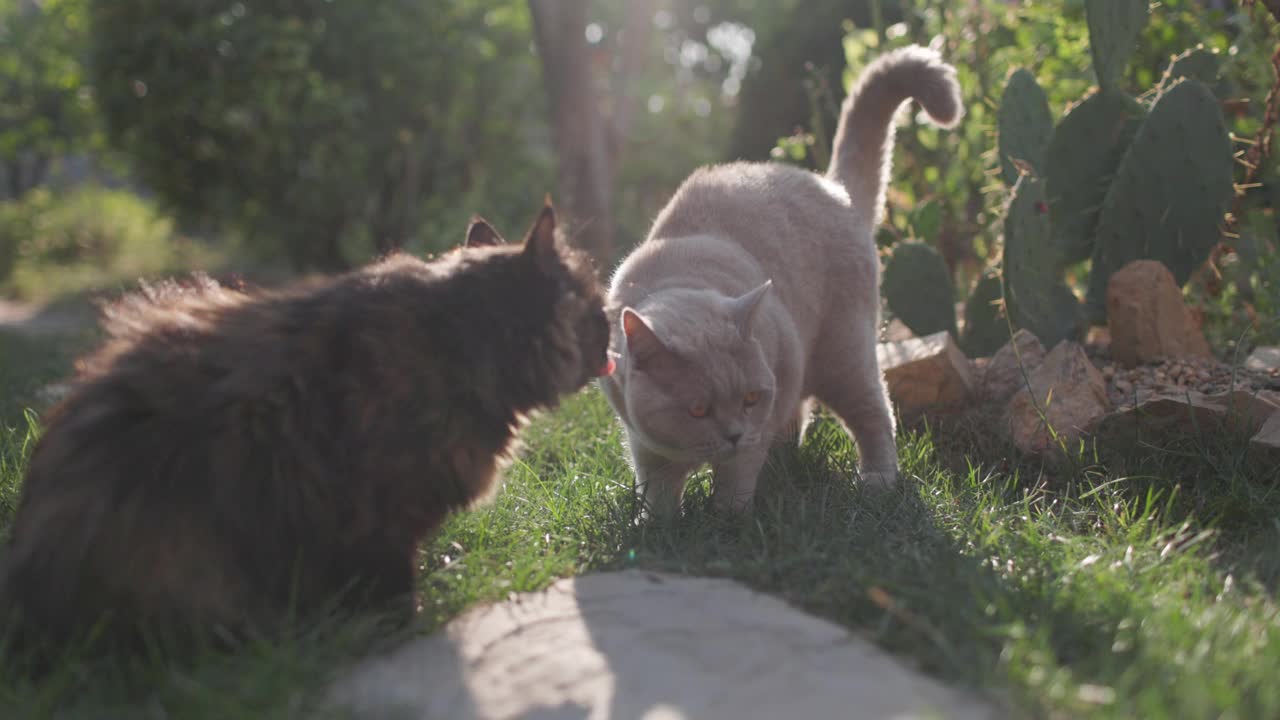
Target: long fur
<point x="228" y="459"/>
<point x="862" y="150"/>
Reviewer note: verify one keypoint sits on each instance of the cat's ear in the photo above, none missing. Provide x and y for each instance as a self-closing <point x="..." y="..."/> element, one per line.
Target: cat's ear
<point x="540" y="243"/>
<point x="744" y="309"/>
<point x="643" y="345"/>
<point x="481" y="234"/>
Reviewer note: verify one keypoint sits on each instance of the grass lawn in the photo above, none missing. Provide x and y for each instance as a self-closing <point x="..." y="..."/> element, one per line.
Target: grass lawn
<point x="1140" y="586"/>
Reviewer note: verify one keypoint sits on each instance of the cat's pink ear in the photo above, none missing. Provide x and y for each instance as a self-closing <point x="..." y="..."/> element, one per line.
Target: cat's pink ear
<point x="540" y="243"/>
<point x="481" y="234"/>
<point x="744" y="309"/>
<point x="643" y="344"/>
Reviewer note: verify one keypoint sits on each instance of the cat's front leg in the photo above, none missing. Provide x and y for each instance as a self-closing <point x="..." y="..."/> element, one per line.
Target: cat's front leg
<point x="380" y="577"/>
<point x="735" y="478"/>
<point x="855" y="391"/>
<point x="659" y="480"/>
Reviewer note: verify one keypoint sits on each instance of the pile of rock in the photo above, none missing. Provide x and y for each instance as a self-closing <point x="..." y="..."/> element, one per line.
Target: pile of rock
<point x="1149" y="375"/>
<point x="1130" y="386"/>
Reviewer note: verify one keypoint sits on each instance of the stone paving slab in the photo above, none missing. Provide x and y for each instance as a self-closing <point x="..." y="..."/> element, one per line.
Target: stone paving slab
<point x="636" y="644"/>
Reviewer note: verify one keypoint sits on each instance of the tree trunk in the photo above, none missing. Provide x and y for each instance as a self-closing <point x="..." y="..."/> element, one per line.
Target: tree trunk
<point x="773" y="102"/>
<point x="584" y="173"/>
<point x="637" y="33"/>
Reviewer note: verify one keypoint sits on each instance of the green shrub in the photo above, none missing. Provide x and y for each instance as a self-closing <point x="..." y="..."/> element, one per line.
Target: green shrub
<point x="319" y="131"/>
<point x="90" y="238"/>
<point x="46" y="104"/>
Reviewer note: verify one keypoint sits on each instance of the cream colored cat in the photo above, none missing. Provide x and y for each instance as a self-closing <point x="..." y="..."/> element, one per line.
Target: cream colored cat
<point x="756" y="292"/>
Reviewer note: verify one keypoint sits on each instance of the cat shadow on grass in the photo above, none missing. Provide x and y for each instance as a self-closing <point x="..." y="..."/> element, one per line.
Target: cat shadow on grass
<point x="878" y="562"/>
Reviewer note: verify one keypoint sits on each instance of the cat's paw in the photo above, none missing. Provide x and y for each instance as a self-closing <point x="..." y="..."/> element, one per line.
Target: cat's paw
<point x="733" y="503"/>
<point x="659" y="508"/>
<point x="878" y="479"/>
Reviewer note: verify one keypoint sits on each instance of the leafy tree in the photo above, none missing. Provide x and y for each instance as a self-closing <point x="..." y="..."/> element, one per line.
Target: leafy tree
<point x="313" y="127"/>
<point x="624" y="80"/>
<point x="46" y="107"/>
<point x="793" y="36"/>
<point x="584" y="150"/>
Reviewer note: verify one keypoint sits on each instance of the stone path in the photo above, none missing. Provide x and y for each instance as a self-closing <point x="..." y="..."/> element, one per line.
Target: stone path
<point x="31" y="319"/>
<point x="636" y="644"/>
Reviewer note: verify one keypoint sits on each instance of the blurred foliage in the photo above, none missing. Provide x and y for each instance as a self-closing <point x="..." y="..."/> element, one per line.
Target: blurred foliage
<point x="682" y="100"/>
<point x="46" y="105"/>
<point x="1247" y="310"/>
<point x="320" y="130"/>
<point x="323" y="132"/>
<point x="800" y="49"/>
<point x="91" y="238"/>
<point x="956" y="170"/>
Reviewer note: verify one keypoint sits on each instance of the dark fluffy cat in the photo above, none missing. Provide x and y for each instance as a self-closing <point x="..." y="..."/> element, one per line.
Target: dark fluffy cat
<point x="227" y="457"/>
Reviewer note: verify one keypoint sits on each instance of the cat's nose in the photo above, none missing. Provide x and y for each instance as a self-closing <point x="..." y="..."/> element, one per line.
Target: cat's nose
<point x="733" y="438"/>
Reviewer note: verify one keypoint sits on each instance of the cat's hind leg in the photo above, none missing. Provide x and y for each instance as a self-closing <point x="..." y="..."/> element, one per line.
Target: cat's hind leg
<point x="804" y="419"/>
<point x="853" y="388"/>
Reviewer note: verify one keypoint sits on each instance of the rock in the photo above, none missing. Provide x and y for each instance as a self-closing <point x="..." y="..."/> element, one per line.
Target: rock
<point x="897" y="331"/>
<point x="1099" y="336"/>
<point x="1188" y="413"/>
<point x="928" y="373"/>
<point x="1265" y="445"/>
<point x="1264" y="359"/>
<point x="1003" y="375"/>
<point x="1133" y="386"/>
<point x="644" y="645"/>
<point x="1147" y="317"/>
<point x="1249" y="410"/>
<point x="1161" y="417"/>
<point x="1070" y="392"/>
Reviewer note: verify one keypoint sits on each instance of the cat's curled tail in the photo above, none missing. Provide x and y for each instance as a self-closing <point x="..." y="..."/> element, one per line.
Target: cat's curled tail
<point x="862" y="154"/>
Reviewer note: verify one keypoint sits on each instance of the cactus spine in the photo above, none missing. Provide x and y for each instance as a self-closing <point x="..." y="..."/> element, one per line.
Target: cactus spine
<point x="1198" y="63"/>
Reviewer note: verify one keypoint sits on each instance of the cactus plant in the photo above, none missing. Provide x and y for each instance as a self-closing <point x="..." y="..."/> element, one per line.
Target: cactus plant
<point x="1114" y="26"/>
<point x="926" y="220"/>
<point x="986" y="328"/>
<point x="1027" y="247"/>
<point x="1034" y="291"/>
<point x="1170" y="191"/>
<point x="1115" y="181"/>
<point x="1083" y="154"/>
<point x="1023" y="124"/>
<point x="918" y="288"/>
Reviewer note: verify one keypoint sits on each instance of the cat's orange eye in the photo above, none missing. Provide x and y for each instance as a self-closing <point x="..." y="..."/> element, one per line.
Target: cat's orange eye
<point x="751" y="398"/>
<point x="698" y="410"/>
